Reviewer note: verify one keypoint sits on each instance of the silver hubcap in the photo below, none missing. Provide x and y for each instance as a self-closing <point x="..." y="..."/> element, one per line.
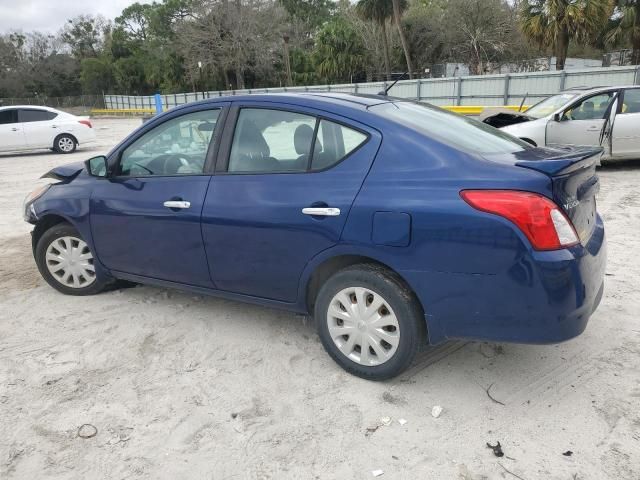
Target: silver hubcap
<point x="70" y="262"/>
<point x="363" y="326"/>
<point x="65" y="144"/>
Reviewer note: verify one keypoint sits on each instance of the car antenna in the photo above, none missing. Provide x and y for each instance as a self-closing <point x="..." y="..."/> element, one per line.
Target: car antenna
<point x="384" y="92"/>
<point x="522" y="102"/>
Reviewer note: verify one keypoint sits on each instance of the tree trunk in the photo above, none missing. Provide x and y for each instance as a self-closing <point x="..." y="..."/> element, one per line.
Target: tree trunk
<point x="398" y="18"/>
<point x="239" y="77"/>
<point x="562" y="47"/>
<point x="385" y="47"/>
<point x="287" y="60"/>
<point x="635" y="39"/>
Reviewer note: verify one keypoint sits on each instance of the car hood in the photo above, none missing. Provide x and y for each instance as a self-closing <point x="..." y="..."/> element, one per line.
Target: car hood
<point x="65" y="172"/>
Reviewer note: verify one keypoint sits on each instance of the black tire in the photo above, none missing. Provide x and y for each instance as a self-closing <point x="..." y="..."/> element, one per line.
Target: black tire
<point x="403" y="304"/>
<point x="60" y="230"/>
<point x="65" y="143"/>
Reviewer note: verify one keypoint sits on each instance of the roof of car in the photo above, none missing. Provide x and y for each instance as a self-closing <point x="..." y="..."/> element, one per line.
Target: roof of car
<point x="587" y="89"/>
<point x="352" y="100"/>
<point x="31" y="107"/>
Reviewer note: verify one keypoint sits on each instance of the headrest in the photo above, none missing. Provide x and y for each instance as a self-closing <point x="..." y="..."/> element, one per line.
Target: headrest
<point x="302" y="139"/>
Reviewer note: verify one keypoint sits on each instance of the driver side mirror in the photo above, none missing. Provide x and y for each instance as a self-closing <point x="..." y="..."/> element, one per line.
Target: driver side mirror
<point x="97" y="166"/>
<point x="557" y="117"/>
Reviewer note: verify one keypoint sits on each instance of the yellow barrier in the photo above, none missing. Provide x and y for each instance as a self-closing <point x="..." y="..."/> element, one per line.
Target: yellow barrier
<point x="116" y="111"/>
<point x="461" y="109"/>
<point x="477" y="110"/>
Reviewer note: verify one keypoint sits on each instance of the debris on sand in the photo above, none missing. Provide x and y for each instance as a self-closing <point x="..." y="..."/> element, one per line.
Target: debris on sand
<point x="493" y="399"/>
<point x="377" y="473"/>
<point x="436" y="411"/>
<point x="402" y="421"/>
<point x="87" y="431"/>
<point x="497" y="449"/>
<point x="386" y="421"/>
<point x="568" y="453"/>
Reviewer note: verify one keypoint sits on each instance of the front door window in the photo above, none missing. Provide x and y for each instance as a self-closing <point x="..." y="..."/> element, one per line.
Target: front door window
<point x="590" y="108"/>
<point x="177" y="147"/>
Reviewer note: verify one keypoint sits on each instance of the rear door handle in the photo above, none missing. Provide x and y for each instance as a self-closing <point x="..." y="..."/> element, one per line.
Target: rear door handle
<point x="594" y="128"/>
<point x="321" y="211"/>
<point x="14" y="129"/>
<point x="181" y="204"/>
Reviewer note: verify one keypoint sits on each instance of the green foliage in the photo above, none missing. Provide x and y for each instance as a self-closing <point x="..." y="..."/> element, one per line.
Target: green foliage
<point x="96" y="75"/>
<point x="182" y="45"/>
<point x="338" y="52"/>
<point x="554" y="23"/>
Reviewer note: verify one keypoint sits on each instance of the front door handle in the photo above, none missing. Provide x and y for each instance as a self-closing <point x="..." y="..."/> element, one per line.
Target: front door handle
<point x="594" y="128"/>
<point x="321" y="211"/>
<point x="14" y="129"/>
<point x="177" y="204"/>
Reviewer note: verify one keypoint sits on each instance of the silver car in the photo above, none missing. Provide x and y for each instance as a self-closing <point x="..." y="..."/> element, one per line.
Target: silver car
<point x="607" y="116"/>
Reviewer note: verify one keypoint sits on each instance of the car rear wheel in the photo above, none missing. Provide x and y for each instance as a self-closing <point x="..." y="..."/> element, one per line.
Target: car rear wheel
<point x="66" y="262"/>
<point x="369" y="322"/>
<point x="65" y="144"/>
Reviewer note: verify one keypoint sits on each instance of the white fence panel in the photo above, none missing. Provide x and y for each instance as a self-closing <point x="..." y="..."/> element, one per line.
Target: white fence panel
<point x="508" y="89"/>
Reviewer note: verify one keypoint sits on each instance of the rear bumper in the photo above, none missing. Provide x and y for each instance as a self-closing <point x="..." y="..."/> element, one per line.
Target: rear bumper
<point x="545" y="297"/>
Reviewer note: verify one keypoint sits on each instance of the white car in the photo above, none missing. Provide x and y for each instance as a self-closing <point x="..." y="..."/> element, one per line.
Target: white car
<point x="607" y="116"/>
<point x="32" y="128"/>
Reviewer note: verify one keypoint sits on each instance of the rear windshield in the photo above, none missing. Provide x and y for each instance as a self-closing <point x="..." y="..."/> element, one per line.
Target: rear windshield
<point x="450" y="128"/>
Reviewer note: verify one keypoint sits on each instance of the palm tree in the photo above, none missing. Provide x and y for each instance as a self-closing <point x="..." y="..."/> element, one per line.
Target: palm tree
<point x="552" y="23"/>
<point x="338" y="51"/>
<point x="400" y="6"/>
<point x="378" y="11"/>
<point x="626" y="23"/>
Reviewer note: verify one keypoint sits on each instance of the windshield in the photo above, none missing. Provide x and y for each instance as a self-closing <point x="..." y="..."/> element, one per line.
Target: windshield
<point x="550" y="105"/>
<point x="450" y="128"/>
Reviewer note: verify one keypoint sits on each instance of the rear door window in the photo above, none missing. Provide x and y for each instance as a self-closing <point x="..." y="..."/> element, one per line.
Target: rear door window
<point x="279" y="141"/>
<point x="32" y="115"/>
<point x="273" y="141"/>
<point x="8" y="116"/>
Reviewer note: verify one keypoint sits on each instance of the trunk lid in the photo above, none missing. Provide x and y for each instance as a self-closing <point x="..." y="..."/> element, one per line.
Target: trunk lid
<point x="572" y="171"/>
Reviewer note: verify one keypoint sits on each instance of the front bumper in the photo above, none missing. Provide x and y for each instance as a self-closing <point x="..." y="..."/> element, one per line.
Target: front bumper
<point x="545" y="297"/>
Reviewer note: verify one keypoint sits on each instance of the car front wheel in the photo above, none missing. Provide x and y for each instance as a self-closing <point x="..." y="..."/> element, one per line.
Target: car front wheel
<point x="369" y="322"/>
<point x="66" y="262"/>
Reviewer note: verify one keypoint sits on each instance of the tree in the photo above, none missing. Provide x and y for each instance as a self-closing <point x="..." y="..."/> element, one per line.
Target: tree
<point x="84" y="35"/>
<point x="626" y="25"/>
<point x="553" y="23"/>
<point x="338" y="51"/>
<point x="482" y="32"/>
<point x="400" y="6"/>
<point x="378" y="11"/>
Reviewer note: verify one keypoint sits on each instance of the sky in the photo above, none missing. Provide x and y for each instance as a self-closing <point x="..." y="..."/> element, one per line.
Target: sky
<point x="50" y="15"/>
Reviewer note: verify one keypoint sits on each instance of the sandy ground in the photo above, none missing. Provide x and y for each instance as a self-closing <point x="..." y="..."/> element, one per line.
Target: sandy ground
<point x="182" y="386"/>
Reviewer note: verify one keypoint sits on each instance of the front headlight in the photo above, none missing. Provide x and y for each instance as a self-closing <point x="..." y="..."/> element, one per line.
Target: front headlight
<point x="27" y="205"/>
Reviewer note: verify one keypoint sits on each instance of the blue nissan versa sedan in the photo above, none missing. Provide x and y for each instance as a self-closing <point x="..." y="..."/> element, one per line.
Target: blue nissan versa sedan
<point x="396" y="224"/>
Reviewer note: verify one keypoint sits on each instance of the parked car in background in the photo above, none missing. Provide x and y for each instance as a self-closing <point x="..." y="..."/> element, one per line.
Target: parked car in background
<point x="607" y="116"/>
<point x="33" y="128"/>
<point x="395" y="224"/>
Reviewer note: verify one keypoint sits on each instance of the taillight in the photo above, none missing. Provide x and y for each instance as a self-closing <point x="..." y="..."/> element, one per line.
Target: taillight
<point x="543" y="223"/>
<point x="86" y="122"/>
